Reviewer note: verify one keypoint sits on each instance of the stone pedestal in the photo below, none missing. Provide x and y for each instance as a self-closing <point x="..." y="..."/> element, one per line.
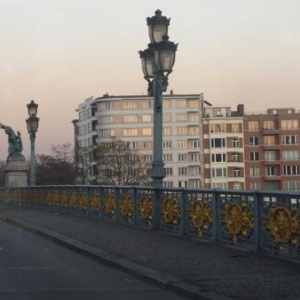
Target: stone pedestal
<point x="15" y="175"/>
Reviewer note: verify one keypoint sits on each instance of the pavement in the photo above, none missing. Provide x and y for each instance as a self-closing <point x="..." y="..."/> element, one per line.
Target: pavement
<point x="195" y="269"/>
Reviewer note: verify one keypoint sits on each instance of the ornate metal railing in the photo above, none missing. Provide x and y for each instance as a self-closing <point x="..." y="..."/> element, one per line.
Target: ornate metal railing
<point x="259" y="220"/>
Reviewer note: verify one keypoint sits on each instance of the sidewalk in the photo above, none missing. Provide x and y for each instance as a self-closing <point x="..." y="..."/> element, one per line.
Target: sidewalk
<point x="211" y="270"/>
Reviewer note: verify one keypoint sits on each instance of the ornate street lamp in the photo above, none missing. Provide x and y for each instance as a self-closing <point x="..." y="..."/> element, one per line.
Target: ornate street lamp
<point x="157" y="63"/>
<point x="32" y="127"/>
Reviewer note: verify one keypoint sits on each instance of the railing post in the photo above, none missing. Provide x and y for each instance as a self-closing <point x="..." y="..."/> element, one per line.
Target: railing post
<point x="216" y="215"/>
<point x="257" y="221"/>
<point x="134" y="205"/>
<point x="156" y="208"/>
<point x="101" y="196"/>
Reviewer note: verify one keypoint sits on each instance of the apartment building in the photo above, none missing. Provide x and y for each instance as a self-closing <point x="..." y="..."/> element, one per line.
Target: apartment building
<point x="272" y="150"/>
<point x="223" y="147"/>
<point x="130" y="118"/>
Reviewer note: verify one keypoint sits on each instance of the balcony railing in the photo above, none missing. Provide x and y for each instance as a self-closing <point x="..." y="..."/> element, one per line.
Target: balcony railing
<point x="259" y="220"/>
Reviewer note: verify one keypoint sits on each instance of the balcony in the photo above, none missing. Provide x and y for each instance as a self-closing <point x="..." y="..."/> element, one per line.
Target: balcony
<point x="272" y="177"/>
<point x="271" y="147"/>
<point x="271" y="162"/>
<point x="267" y="131"/>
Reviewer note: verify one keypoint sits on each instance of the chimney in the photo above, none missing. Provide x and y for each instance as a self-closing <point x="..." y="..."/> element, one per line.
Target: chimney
<point x="171" y="92"/>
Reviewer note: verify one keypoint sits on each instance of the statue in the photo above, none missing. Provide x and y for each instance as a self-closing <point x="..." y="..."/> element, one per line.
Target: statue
<point x="15" y="145"/>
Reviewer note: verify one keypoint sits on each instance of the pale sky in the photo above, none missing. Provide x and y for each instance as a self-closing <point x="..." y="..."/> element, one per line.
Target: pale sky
<point x="60" y="52"/>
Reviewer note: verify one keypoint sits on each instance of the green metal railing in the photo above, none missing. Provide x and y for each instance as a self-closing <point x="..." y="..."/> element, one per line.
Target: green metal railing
<point x="258" y="220"/>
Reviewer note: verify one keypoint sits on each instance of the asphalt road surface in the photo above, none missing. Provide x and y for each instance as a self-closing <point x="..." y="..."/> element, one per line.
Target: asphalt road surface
<point x="32" y="267"/>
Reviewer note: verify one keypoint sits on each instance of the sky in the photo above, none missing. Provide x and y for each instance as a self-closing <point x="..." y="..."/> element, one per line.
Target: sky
<point x="60" y="52"/>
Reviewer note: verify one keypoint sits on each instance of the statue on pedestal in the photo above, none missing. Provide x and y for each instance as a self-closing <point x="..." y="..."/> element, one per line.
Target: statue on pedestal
<point x="15" y="145"/>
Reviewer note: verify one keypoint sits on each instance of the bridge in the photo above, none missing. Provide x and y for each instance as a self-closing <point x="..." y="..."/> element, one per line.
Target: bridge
<point x="216" y="244"/>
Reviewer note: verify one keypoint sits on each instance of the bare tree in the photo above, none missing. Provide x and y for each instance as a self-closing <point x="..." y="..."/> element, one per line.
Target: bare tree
<point x="86" y="165"/>
<point x="118" y="164"/>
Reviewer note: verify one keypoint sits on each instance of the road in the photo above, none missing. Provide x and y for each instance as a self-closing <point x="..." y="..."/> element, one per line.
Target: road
<point x="34" y="268"/>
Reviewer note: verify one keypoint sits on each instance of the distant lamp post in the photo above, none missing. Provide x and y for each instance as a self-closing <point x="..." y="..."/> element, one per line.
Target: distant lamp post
<point x="157" y="63"/>
<point x="32" y="127"/>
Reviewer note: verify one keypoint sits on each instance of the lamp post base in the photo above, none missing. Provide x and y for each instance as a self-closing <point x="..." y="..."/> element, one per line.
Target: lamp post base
<point x="158" y="174"/>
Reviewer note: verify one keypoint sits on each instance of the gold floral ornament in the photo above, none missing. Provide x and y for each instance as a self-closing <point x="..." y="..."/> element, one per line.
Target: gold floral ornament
<point x="238" y="220"/>
<point x="64" y="199"/>
<point x="284" y="225"/>
<point x="83" y="201"/>
<point x="55" y="198"/>
<point x="126" y="205"/>
<point x="95" y="202"/>
<point x="200" y="215"/>
<point x="48" y="198"/>
<point x="72" y="200"/>
<point x="170" y="211"/>
<point x="109" y="204"/>
<point x="145" y="207"/>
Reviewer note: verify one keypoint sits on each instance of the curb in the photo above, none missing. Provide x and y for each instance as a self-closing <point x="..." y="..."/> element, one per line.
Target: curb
<point x="166" y="281"/>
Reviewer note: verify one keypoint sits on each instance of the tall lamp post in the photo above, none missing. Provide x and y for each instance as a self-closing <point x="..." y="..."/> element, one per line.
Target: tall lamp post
<point x="32" y="127"/>
<point x="157" y="63"/>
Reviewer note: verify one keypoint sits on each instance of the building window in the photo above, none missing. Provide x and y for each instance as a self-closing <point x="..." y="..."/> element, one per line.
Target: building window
<point x="291" y="170"/>
<point x="167" y="144"/>
<point x="217" y="112"/>
<point x="219" y="185"/>
<point x="147" y="104"/>
<point x="254" y="156"/>
<point x="195" y="157"/>
<point x="268" y="125"/>
<point x="195" y="144"/>
<point x="130" y="132"/>
<point x="181" y="118"/>
<point x="290" y="155"/>
<point x="217" y="128"/>
<point x="253" y="125"/>
<point x="181" y="130"/>
<point x="166" y="118"/>
<point x="168" y="171"/>
<point x="168" y="184"/>
<point x="235" y="127"/>
<point x="195" y="171"/>
<point x="182" y="157"/>
<point x="236" y="157"/>
<point x="289" y="139"/>
<point x="148" y="158"/>
<point x="193" y="130"/>
<point x="130" y="119"/>
<point x="129" y="105"/>
<point x="270" y="171"/>
<point x="217" y="143"/>
<point x="132" y="145"/>
<point x="269" y="140"/>
<point x="166" y="104"/>
<point x="221" y="157"/>
<point x="106" y="119"/>
<point x="147" y="131"/>
<point x="237" y="186"/>
<point x="147" y="145"/>
<point x="167" y="131"/>
<point x="255" y="186"/>
<point x="167" y="157"/>
<point x="146" y="118"/>
<point x="254" y="171"/>
<point x="193" y="103"/>
<point x="270" y="155"/>
<point x="193" y="117"/>
<point x="291" y="185"/>
<point x="181" y="144"/>
<point x="194" y="184"/>
<point x="289" y="124"/>
<point x="106" y="132"/>
<point x="253" y="140"/>
<point x="105" y="105"/>
<point x="221" y="172"/>
<point x="235" y="143"/>
<point x="180" y="103"/>
<point x="182" y="184"/>
<point x="182" y="171"/>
